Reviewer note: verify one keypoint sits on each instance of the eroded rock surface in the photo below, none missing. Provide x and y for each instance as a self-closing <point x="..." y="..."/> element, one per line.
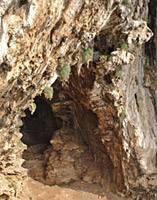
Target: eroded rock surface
<point x="114" y="96"/>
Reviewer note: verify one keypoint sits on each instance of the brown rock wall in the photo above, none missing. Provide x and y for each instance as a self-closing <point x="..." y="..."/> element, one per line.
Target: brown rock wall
<point x="111" y="96"/>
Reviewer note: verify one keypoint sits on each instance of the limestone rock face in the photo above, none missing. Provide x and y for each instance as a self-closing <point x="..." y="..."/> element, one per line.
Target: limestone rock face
<point x="114" y="93"/>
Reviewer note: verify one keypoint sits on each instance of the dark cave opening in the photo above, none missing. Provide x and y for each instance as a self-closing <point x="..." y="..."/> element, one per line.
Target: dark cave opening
<point x="64" y="145"/>
<point x="58" y="151"/>
<point x="38" y="128"/>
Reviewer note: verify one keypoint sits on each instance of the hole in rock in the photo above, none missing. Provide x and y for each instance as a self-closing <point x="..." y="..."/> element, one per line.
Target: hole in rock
<point x="38" y="128"/>
<point x="57" y="150"/>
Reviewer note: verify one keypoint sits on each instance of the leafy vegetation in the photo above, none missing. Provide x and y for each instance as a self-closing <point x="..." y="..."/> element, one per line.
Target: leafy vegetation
<point x="133" y="194"/>
<point x="9" y="178"/>
<point x="128" y="4"/>
<point x="20" y="144"/>
<point x="48" y="92"/>
<point x="119" y="72"/>
<point x="122" y="116"/>
<point x="122" y="45"/>
<point x="17" y="128"/>
<point x="63" y="69"/>
<point x="87" y="54"/>
<point x="65" y="72"/>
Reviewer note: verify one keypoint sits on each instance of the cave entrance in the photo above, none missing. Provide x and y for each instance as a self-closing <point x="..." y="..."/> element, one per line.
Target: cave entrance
<point x="38" y="128"/>
<point x="37" y="131"/>
<point x="57" y="152"/>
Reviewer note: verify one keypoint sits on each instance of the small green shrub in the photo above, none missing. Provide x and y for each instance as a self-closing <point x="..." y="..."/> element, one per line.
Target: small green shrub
<point x="58" y="68"/>
<point x="20" y="144"/>
<point x="119" y="72"/>
<point x="17" y="128"/>
<point x="63" y="69"/>
<point x="65" y="72"/>
<point x="87" y="54"/>
<point x="128" y="4"/>
<point x="122" y="116"/>
<point x="133" y="194"/>
<point x="122" y="45"/>
<point x="48" y="92"/>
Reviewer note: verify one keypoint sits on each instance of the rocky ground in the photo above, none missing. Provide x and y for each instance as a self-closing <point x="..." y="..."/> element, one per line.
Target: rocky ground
<point x="34" y="190"/>
<point x="70" y="165"/>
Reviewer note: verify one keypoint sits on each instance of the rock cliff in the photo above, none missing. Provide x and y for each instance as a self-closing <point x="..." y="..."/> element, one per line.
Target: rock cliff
<point x="96" y="60"/>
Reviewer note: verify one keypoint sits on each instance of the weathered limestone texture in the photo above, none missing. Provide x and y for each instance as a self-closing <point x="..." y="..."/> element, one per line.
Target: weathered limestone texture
<point x="114" y="93"/>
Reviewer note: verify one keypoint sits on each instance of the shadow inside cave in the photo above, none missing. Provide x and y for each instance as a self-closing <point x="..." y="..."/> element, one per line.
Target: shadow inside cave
<point x="38" y="128"/>
<point x="57" y="153"/>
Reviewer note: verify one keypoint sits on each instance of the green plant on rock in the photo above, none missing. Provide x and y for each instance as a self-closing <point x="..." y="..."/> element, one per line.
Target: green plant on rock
<point x="133" y="194"/>
<point x="128" y="4"/>
<point x="48" y="92"/>
<point x="122" y="116"/>
<point x="87" y="55"/>
<point x="20" y="144"/>
<point x="119" y="72"/>
<point x="17" y="128"/>
<point x="122" y="45"/>
<point x="9" y="178"/>
<point x="63" y="69"/>
<point x="102" y="60"/>
<point x="65" y="72"/>
<point x="58" y="68"/>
